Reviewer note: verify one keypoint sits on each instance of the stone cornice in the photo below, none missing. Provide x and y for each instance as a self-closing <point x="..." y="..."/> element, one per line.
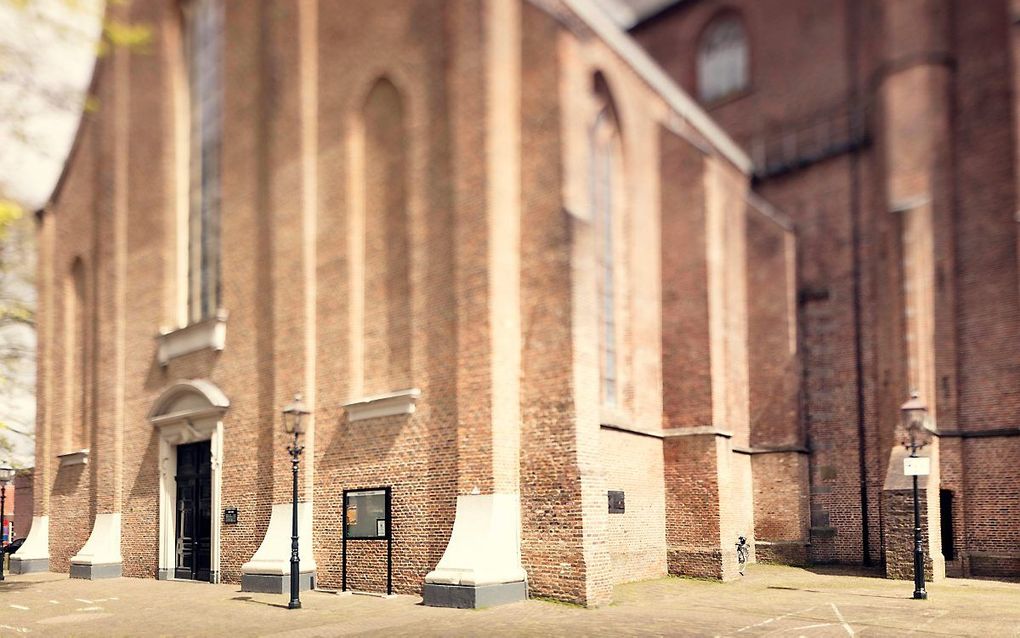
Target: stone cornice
<point x="380" y="405"/>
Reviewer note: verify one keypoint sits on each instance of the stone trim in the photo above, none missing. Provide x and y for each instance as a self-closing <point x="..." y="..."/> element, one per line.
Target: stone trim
<point x="703" y="430"/>
<point x="77" y="457"/>
<point x="380" y="405"/>
<point x="201" y="423"/>
<point x="208" y="334"/>
<point x="631" y="430"/>
<point x="779" y="449"/>
<point x="977" y="434"/>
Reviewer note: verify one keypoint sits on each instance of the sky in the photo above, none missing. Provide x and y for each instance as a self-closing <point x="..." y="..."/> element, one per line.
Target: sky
<point x="47" y="54"/>
<point x="46" y="59"/>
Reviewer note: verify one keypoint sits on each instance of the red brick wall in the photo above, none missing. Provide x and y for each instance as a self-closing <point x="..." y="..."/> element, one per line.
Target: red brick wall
<point x="813" y="65"/>
<point x="637" y="537"/>
<point x="692" y="506"/>
<point x="686" y="369"/>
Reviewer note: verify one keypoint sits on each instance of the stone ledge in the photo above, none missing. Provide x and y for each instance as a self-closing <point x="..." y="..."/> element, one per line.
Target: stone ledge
<point x="77" y="457"/>
<point x="779" y="449"/>
<point x="208" y="334"/>
<point x="380" y="405"/>
<point x="631" y="430"/>
<point x="704" y="430"/>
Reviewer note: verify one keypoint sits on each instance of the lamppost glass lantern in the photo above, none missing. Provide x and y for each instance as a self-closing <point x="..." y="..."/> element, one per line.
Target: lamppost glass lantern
<point x="6" y="473"/>
<point x="293" y="416"/>
<point x="914" y="417"/>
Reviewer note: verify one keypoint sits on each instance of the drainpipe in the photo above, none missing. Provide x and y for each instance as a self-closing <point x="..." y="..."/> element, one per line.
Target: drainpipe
<point x="853" y="90"/>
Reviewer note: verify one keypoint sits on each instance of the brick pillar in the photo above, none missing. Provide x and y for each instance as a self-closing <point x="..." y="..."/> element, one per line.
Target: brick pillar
<point x="917" y="138"/>
<point x="709" y="494"/>
<point x="563" y="498"/>
<point x="898" y="519"/>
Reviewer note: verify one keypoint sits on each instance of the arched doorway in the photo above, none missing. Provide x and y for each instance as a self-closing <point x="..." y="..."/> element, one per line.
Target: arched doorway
<point x="189" y="419"/>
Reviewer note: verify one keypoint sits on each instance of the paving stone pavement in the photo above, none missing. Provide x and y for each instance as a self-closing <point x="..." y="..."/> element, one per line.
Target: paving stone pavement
<point x="769" y="601"/>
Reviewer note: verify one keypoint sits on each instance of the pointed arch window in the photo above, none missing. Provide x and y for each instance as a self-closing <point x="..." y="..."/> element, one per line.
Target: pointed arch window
<point x="202" y="46"/>
<point x="604" y="187"/>
<point x="723" y="59"/>
<point x="387" y="322"/>
<point x="75" y="357"/>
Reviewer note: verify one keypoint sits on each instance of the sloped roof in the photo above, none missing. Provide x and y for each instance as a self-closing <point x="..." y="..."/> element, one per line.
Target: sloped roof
<point x="629" y="13"/>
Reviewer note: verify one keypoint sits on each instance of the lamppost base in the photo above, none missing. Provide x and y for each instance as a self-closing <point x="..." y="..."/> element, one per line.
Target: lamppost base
<point x="294" y="604"/>
<point x="920" y="595"/>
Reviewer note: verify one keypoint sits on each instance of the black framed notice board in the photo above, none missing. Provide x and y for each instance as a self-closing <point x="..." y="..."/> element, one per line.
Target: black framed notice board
<point x="367" y="517"/>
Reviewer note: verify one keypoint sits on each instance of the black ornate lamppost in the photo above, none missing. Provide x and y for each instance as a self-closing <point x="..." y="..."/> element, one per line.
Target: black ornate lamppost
<point x="6" y="476"/>
<point x="293" y="416"/>
<point x="914" y="415"/>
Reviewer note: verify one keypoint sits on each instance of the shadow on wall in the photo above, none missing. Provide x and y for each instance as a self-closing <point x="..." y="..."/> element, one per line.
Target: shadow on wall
<point x="68" y="479"/>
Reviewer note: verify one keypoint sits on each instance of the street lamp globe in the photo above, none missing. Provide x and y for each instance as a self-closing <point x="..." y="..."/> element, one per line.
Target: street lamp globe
<point x="293" y="416"/>
<point x="6" y="473"/>
<point x="914" y="417"/>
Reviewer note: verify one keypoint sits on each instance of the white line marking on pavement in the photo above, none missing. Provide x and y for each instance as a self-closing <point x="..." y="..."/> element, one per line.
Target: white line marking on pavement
<point x="771" y="620"/>
<point x="55" y="602"/>
<point x="20" y="630"/>
<point x="84" y="600"/>
<point x="842" y="620"/>
<point x="21" y="607"/>
<point x="90" y="609"/>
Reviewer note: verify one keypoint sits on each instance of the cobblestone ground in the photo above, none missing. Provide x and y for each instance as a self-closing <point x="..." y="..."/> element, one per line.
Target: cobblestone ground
<point x="772" y="601"/>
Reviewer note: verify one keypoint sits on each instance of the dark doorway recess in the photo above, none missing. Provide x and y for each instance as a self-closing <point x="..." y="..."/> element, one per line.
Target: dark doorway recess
<point x="194" y="511"/>
<point x="946" y="514"/>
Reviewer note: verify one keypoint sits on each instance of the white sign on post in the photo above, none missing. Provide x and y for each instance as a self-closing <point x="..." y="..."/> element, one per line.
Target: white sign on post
<point x="916" y="466"/>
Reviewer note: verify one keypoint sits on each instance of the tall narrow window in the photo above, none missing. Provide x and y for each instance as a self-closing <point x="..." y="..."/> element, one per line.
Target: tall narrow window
<point x="723" y="59"/>
<point x="75" y="357"/>
<point x="387" y="249"/>
<point x="202" y="47"/>
<point x="604" y="149"/>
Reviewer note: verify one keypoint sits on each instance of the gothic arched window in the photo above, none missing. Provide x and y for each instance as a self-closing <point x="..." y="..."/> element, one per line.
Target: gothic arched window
<point x="605" y="190"/>
<point x="388" y="330"/>
<point x="202" y="48"/>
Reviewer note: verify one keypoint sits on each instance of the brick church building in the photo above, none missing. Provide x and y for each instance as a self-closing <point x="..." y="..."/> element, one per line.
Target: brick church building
<point x="587" y="289"/>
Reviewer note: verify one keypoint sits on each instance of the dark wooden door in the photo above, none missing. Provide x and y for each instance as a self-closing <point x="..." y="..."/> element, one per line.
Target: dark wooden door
<point x="194" y="511"/>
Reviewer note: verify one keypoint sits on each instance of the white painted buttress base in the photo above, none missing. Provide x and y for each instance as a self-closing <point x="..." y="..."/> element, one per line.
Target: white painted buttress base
<point x="485" y="546"/>
<point x="103" y="545"/>
<point x="273" y="555"/>
<point x="37" y="545"/>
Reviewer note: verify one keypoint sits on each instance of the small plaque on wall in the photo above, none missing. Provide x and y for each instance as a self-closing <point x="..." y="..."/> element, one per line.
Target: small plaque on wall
<point x="616" y="504"/>
<point x="230" y="516"/>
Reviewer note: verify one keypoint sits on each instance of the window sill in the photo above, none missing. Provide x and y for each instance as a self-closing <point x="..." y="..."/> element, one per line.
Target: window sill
<point x="78" y="457"/>
<point x="380" y="405"/>
<point x="208" y="334"/>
